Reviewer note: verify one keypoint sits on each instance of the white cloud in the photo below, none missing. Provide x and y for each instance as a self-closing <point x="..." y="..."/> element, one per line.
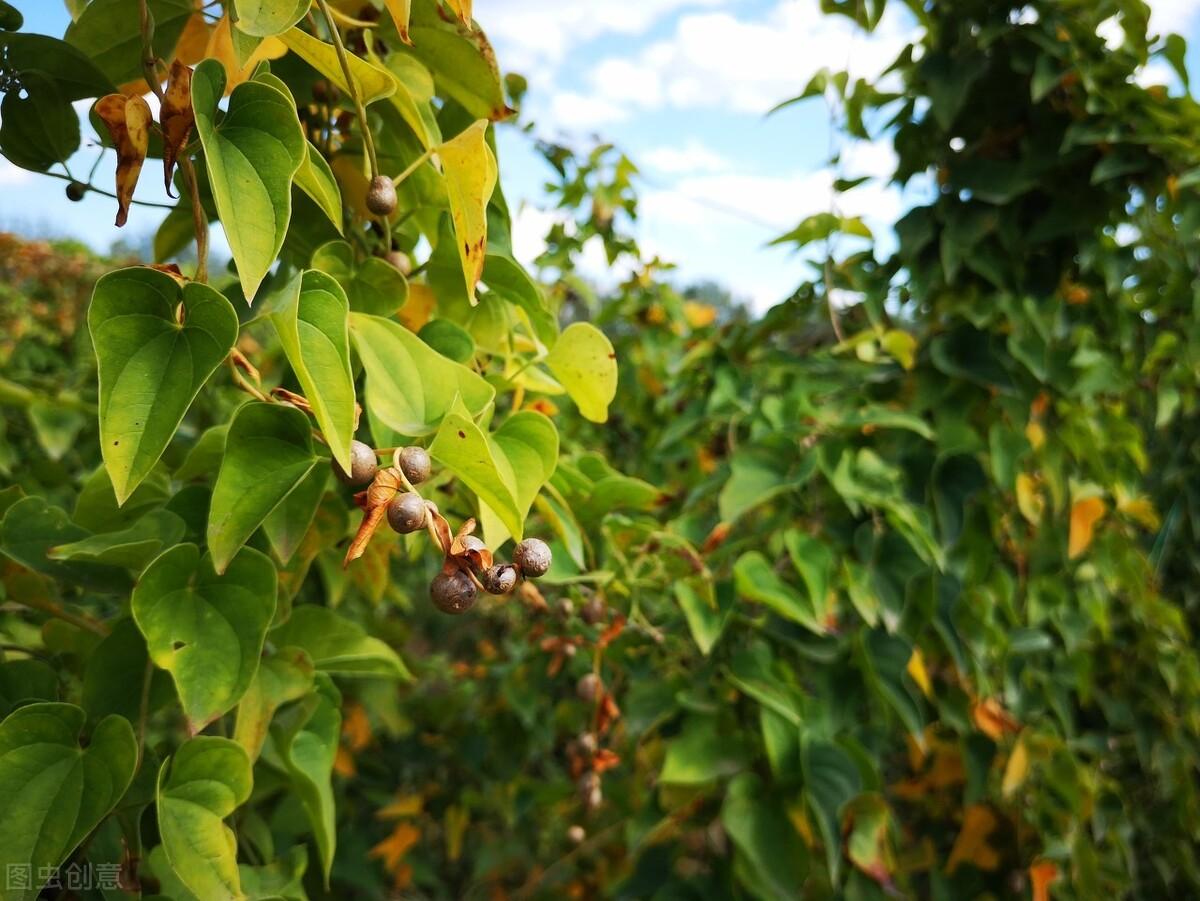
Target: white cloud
<point x="530" y="34"/>
<point x="1173" y="16"/>
<point x="581" y="112"/>
<point x="691" y="157"/>
<point x="715" y="59"/>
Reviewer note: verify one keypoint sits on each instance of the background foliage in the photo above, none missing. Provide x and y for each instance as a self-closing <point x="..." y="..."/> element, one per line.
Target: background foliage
<point x="886" y="591"/>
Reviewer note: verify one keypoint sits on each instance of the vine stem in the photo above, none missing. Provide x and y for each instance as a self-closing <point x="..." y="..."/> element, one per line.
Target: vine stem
<point x="351" y="87"/>
<point x="412" y="167"/>
<point x="104" y="193"/>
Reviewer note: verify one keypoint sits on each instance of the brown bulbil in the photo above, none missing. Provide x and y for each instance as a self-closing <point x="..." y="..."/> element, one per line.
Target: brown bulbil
<point x="453" y="592"/>
<point x="500" y="578"/>
<point x="363" y="465"/>
<point x="593" y="611"/>
<point x="381" y="196"/>
<point x="588" y="687"/>
<point x="406" y="512"/>
<point x="532" y="556"/>
<point x="415" y="464"/>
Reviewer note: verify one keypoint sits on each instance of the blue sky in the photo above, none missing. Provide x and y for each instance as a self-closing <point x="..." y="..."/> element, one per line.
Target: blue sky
<point x="681" y="85"/>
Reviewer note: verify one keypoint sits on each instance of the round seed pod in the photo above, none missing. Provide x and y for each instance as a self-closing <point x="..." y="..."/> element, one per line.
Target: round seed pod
<point x="76" y="190"/>
<point x="453" y="592"/>
<point x="588" y="687"/>
<point x="593" y="611"/>
<point x="576" y="835"/>
<point x="532" y="556"/>
<point x="415" y="464"/>
<point x="363" y="465"/>
<point x="566" y="609"/>
<point x="586" y="742"/>
<point x="406" y="512"/>
<point x="500" y="578"/>
<point x="381" y="196"/>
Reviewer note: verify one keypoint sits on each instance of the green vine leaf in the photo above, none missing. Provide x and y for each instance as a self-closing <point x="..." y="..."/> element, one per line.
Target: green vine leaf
<point x="206" y="781"/>
<point x="315" y="178"/>
<point x="109" y="33"/>
<point x="410" y="386"/>
<point x="584" y="361"/>
<point x="252" y="156"/>
<point x="285" y="676"/>
<point x="151" y="366"/>
<point x="131" y="548"/>
<point x="312" y="326"/>
<point x="306" y="740"/>
<point x="55" y="793"/>
<point x="372" y="285"/>
<point x="206" y="629"/>
<point x="506" y="469"/>
<point x="370" y="81"/>
<point x="264" y="18"/>
<point x="31" y="528"/>
<point x="337" y="645"/>
<point x="268" y="452"/>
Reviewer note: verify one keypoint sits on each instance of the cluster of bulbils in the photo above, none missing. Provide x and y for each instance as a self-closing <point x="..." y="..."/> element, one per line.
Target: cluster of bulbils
<point x="455" y="589"/>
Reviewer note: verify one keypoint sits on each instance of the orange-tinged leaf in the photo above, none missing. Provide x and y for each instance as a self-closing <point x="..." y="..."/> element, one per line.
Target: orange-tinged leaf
<point x="699" y="315"/>
<point x="356" y="727"/>
<point x="920" y="675"/>
<point x="1041" y="874"/>
<point x="1084" y="516"/>
<point x="993" y="720"/>
<point x="343" y="763"/>
<point x="176" y="118"/>
<point x="194" y="41"/>
<point x="418" y="307"/>
<point x="544" y="406"/>
<point x="128" y="121"/>
<point x="867" y="843"/>
<point x="393" y="848"/>
<point x="971" y="846"/>
<point x="469" y="169"/>
<point x="462" y="9"/>
<point x="220" y="47"/>
<point x="400" y="10"/>
<point x="403" y="806"/>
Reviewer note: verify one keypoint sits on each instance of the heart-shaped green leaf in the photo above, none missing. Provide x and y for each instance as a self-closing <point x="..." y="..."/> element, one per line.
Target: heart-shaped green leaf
<point x="410" y="386"/>
<point x="337" y="645"/>
<point x="109" y="33"/>
<point x="263" y="18"/>
<point x="252" y="156"/>
<point x="311" y="321"/>
<point x="306" y="739"/>
<point x="130" y="548"/>
<point x="268" y="452"/>
<point x="372" y="285"/>
<point x="152" y="357"/>
<point x="54" y="792"/>
<point x="460" y="58"/>
<point x="583" y="360"/>
<point x="31" y="528"/>
<point x="205" y="629"/>
<point x="206" y="781"/>
<point x="756" y="580"/>
<point x="285" y="676"/>
<point x="505" y="469"/>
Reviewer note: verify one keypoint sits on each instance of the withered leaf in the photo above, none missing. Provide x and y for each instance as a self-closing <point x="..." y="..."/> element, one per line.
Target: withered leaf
<point x="176" y="117"/>
<point x="128" y="122"/>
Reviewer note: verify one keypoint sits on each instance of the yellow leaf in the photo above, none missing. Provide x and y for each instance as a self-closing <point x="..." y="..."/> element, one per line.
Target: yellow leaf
<point x="470" y="172"/>
<point x="1029" y="499"/>
<point x="403" y="806"/>
<point x="372" y="82"/>
<point x="462" y="8"/>
<point x="128" y="120"/>
<point x="584" y="361"/>
<point x="400" y="10"/>
<point x="699" y="315"/>
<point x="1041" y="874"/>
<point x="356" y="727"/>
<point x="972" y="846"/>
<point x="194" y="40"/>
<point x="1141" y="510"/>
<point x="901" y="346"/>
<point x="456" y="822"/>
<point x="349" y="174"/>
<point x="393" y="848"/>
<point x="418" y="307"/>
<point x="176" y="117"/>
<point x="220" y="48"/>
<point x="343" y="763"/>
<point x="1084" y="516"/>
<point x="916" y="669"/>
<point x="1035" y="434"/>
<point x="1016" y="769"/>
